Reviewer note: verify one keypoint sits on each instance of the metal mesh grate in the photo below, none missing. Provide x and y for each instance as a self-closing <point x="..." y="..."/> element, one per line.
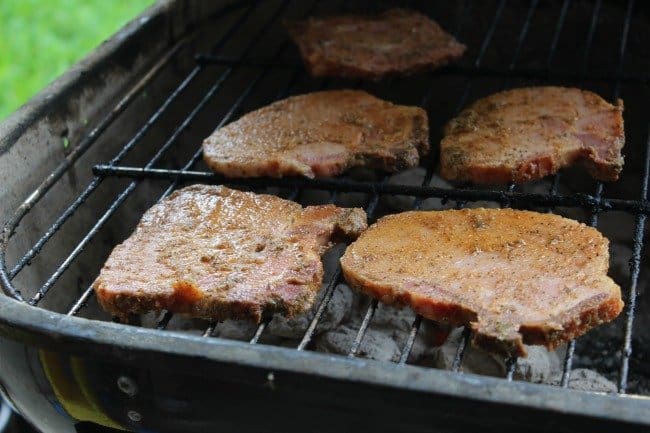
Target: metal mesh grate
<point x="538" y="41"/>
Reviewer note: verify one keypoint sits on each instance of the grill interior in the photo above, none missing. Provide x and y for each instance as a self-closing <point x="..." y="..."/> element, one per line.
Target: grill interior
<point x="244" y="60"/>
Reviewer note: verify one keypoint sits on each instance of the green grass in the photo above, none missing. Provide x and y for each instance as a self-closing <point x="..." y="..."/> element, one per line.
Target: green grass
<point x="41" y="39"/>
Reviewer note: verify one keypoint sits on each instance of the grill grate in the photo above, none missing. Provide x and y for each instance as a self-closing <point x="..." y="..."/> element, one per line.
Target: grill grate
<point x="595" y="203"/>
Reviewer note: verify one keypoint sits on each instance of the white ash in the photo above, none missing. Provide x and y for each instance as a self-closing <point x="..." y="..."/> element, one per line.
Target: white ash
<point x="376" y="344"/>
<point x="151" y="319"/>
<point x="582" y="379"/>
<point x="337" y="309"/>
<point x="235" y="329"/>
<point x="391" y="317"/>
<point x="178" y="322"/>
<point x="385" y="337"/>
<point x="540" y="364"/>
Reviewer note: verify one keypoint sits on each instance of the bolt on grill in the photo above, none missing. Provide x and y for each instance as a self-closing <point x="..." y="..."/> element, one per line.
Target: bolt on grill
<point x="260" y="67"/>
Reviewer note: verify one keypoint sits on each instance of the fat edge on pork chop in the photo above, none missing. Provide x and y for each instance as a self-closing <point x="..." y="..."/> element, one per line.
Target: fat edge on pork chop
<point x="514" y="276"/>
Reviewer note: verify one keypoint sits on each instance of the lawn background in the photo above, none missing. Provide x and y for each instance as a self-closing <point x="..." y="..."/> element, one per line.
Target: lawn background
<point x="40" y="39"/>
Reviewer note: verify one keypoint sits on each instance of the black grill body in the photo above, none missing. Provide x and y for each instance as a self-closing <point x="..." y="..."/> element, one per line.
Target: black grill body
<point x="81" y="162"/>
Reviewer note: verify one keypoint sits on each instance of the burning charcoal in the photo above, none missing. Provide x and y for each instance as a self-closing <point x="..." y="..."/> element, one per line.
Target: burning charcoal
<point x="376" y="344"/>
<point x="338" y="307"/>
<point x="583" y="379"/>
<point x="538" y="366"/>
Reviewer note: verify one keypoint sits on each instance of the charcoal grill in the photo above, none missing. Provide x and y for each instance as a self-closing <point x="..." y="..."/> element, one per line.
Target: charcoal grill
<point x="122" y="129"/>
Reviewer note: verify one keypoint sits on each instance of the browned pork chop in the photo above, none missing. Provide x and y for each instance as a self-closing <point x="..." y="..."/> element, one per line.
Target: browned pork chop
<point x="218" y="253"/>
<point x="319" y="134"/>
<point x="515" y="276"/>
<point x="525" y="134"/>
<point x="396" y="41"/>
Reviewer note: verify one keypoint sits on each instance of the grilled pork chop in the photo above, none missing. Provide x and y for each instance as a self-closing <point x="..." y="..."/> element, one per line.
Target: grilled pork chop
<point x="525" y="134"/>
<point x="396" y="41"/>
<point x="319" y="134"/>
<point x="515" y="276"/>
<point x="218" y="253"/>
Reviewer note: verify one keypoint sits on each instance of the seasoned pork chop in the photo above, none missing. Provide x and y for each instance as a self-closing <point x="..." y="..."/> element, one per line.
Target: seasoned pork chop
<point x="319" y="134"/>
<point x="515" y="276"/>
<point x="396" y="41"/>
<point x="218" y="253"/>
<point x="525" y="134"/>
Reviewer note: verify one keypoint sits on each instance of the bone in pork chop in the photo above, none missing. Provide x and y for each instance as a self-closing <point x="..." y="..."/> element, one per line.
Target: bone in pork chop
<point x="396" y="41"/>
<point x="514" y="276"/>
<point x="319" y="134"/>
<point x="525" y="134"/>
<point x="218" y="253"/>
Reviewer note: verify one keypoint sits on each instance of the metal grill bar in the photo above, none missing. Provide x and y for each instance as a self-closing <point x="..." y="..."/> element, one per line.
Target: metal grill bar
<point x="131" y="187"/>
<point x="473" y="72"/>
<point x="258" y="332"/>
<point x="370" y="312"/>
<point x="209" y="330"/>
<point x="635" y="267"/>
<point x="461" y="349"/>
<point x="410" y="340"/>
<point x="639" y="232"/>
<point x="153" y="72"/>
<point x="348" y="185"/>
<point x="556" y="35"/>
<point x="123" y="196"/>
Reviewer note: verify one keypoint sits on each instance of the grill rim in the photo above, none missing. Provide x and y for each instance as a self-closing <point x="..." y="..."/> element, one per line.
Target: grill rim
<point x="139" y="346"/>
<point x="83" y="335"/>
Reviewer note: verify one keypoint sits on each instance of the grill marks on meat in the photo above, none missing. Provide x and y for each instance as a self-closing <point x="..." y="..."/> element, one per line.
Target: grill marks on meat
<point x="396" y="41"/>
<point x="515" y="276"/>
<point x="217" y="253"/>
<point x="319" y="134"/>
<point x="525" y="134"/>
